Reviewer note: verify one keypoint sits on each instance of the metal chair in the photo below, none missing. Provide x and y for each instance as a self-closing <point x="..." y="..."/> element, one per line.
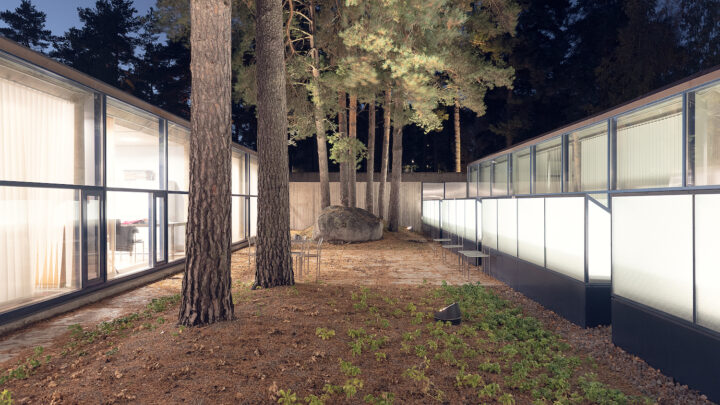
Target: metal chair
<point x="317" y="255"/>
<point x="458" y="246"/>
<point x="250" y="252"/>
<point x="298" y="254"/>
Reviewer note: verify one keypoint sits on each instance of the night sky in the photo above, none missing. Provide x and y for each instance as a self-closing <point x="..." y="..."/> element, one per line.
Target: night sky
<point x="62" y="14"/>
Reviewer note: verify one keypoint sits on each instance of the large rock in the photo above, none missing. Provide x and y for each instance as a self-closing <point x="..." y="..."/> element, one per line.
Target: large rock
<point x="344" y="224"/>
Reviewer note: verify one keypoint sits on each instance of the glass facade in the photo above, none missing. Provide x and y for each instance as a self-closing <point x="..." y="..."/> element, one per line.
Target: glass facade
<point x="521" y="172"/>
<point x="704" y="136"/>
<point x="548" y="167"/>
<point x="500" y="176"/>
<point x="92" y="188"/>
<point x="588" y="159"/>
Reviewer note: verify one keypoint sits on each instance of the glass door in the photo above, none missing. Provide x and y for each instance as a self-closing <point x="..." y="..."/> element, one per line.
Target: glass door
<point x="159" y="230"/>
<point x="92" y="251"/>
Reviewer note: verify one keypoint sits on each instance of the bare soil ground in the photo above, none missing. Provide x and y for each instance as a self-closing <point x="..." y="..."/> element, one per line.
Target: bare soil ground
<point x="363" y="333"/>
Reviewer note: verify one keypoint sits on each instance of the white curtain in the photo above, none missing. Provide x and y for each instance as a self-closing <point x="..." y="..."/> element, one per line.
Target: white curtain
<point x="36" y="225"/>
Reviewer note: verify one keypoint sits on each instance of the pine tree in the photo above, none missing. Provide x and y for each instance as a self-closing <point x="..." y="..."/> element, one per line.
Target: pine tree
<point x="26" y="26"/>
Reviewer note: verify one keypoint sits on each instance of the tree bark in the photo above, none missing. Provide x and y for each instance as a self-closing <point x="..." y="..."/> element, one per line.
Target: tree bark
<point x="458" y="163"/>
<point x="321" y="137"/>
<point x="352" y="165"/>
<point x="273" y="261"/>
<point x="206" y="288"/>
<point x="342" y="130"/>
<point x="369" y="182"/>
<point x="387" y="107"/>
<point x="394" y="209"/>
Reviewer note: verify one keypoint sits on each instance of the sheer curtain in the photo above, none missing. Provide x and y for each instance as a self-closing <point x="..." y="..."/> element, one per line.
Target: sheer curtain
<point x="37" y="226"/>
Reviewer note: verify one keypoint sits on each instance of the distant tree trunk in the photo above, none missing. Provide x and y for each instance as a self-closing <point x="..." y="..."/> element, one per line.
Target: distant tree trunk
<point x="458" y="163"/>
<point x="206" y="285"/>
<point x="394" y="209"/>
<point x="352" y="166"/>
<point x="321" y="137"/>
<point x="342" y="130"/>
<point x="387" y="107"/>
<point x="369" y="183"/>
<point x="274" y="264"/>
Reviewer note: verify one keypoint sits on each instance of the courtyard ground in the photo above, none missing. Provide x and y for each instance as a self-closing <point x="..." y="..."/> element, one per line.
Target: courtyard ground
<point x="363" y="332"/>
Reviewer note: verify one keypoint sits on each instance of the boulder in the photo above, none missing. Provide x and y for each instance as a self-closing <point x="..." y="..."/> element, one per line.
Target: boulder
<point x="345" y="224"/>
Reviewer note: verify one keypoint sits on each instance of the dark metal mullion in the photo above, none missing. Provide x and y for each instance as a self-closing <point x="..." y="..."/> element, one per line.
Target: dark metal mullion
<point x="694" y="289"/>
<point x="585" y="235"/>
<point x="151" y="229"/>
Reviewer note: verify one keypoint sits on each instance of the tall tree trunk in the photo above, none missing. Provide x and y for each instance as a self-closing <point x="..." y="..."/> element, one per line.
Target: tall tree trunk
<point x="369" y="183"/>
<point x="394" y="209"/>
<point x="458" y="163"/>
<point x="321" y="137"/>
<point x="387" y="107"/>
<point x="273" y="261"/>
<point x="342" y="130"/>
<point x="206" y="287"/>
<point x="352" y="165"/>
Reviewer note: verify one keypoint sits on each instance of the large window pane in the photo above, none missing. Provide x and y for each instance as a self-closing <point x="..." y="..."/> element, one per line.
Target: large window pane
<point x="565" y="236"/>
<point x="253" y="216"/>
<point x="128" y="236"/>
<point x="238" y="219"/>
<point x="704" y="135"/>
<point x="177" y="225"/>
<point x="649" y="147"/>
<point x="507" y="225"/>
<point x="531" y="230"/>
<point x="500" y="176"/>
<point x="588" y="158"/>
<point x="178" y="158"/>
<point x="652" y="252"/>
<point x="133" y="147"/>
<point x="239" y="182"/>
<point x="548" y="167"/>
<point x="253" y="175"/>
<point x="39" y="244"/>
<point x="47" y="128"/>
<point x="521" y="172"/>
<point x="485" y="180"/>
<point x="433" y="191"/>
<point x="489" y="223"/>
<point x="455" y="190"/>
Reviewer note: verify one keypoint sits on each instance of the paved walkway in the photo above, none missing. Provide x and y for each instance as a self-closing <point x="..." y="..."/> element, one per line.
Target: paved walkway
<point x="397" y="259"/>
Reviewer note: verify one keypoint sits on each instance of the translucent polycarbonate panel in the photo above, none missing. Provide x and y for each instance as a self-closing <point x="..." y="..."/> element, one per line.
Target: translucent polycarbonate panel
<point x="484" y="179"/>
<point x="459" y="208"/>
<point x="500" y="176"/>
<point x="472" y="181"/>
<point x="707" y="260"/>
<point x="588" y="158"/>
<point x="431" y="213"/>
<point x="652" y="251"/>
<point x="521" y="172"/>
<point x="649" y="147"/>
<point x="253" y="175"/>
<point x="565" y="236"/>
<point x="507" y="225"/>
<point x="598" y="235"/>
<point x="548" y="167"/>
<point x="238" y="185"/>
<point x="433" y="191"/>
<point x="704" y="135"/>
<point x="178" y="158"/>
<point x="601" y="198"/>
<point x="238" y="219"/>
<point x="489" y="224"/>
<point x="133" y="147"/>
<point x="531" y="230"/>
<point x="455" y="190"/>
<point x="445" y="215"/>
<point x="469" y="221"/>
<point x="479" y="220"/>
<point x="48" y="127"/>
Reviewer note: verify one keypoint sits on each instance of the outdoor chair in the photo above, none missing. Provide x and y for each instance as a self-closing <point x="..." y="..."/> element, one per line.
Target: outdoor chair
<point x="317" y="254"/>
<point x="449" y="246"/>
<point x="298" y="253"/>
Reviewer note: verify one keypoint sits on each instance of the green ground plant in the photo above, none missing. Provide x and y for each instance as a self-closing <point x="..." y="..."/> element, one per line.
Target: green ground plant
<point x="324" y="333"/>
<point x="5" y="398"/>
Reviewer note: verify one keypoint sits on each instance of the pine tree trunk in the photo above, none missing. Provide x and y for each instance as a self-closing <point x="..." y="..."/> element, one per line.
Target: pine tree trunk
<point x="206" y="287"/>
<point x="352" y="166"/>
<point x="273" y="261"/>
<point x="387" y="107"/>
<point x="321" y="137"/>
<point x="458" y="163"/>
<point x="369" y="183"/>
<point x="342" y="130"/>
<point x="394" y="209"/>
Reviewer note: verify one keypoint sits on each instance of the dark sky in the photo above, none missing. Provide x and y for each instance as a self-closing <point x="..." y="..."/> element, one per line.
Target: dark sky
<point x="62" y="14"/>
